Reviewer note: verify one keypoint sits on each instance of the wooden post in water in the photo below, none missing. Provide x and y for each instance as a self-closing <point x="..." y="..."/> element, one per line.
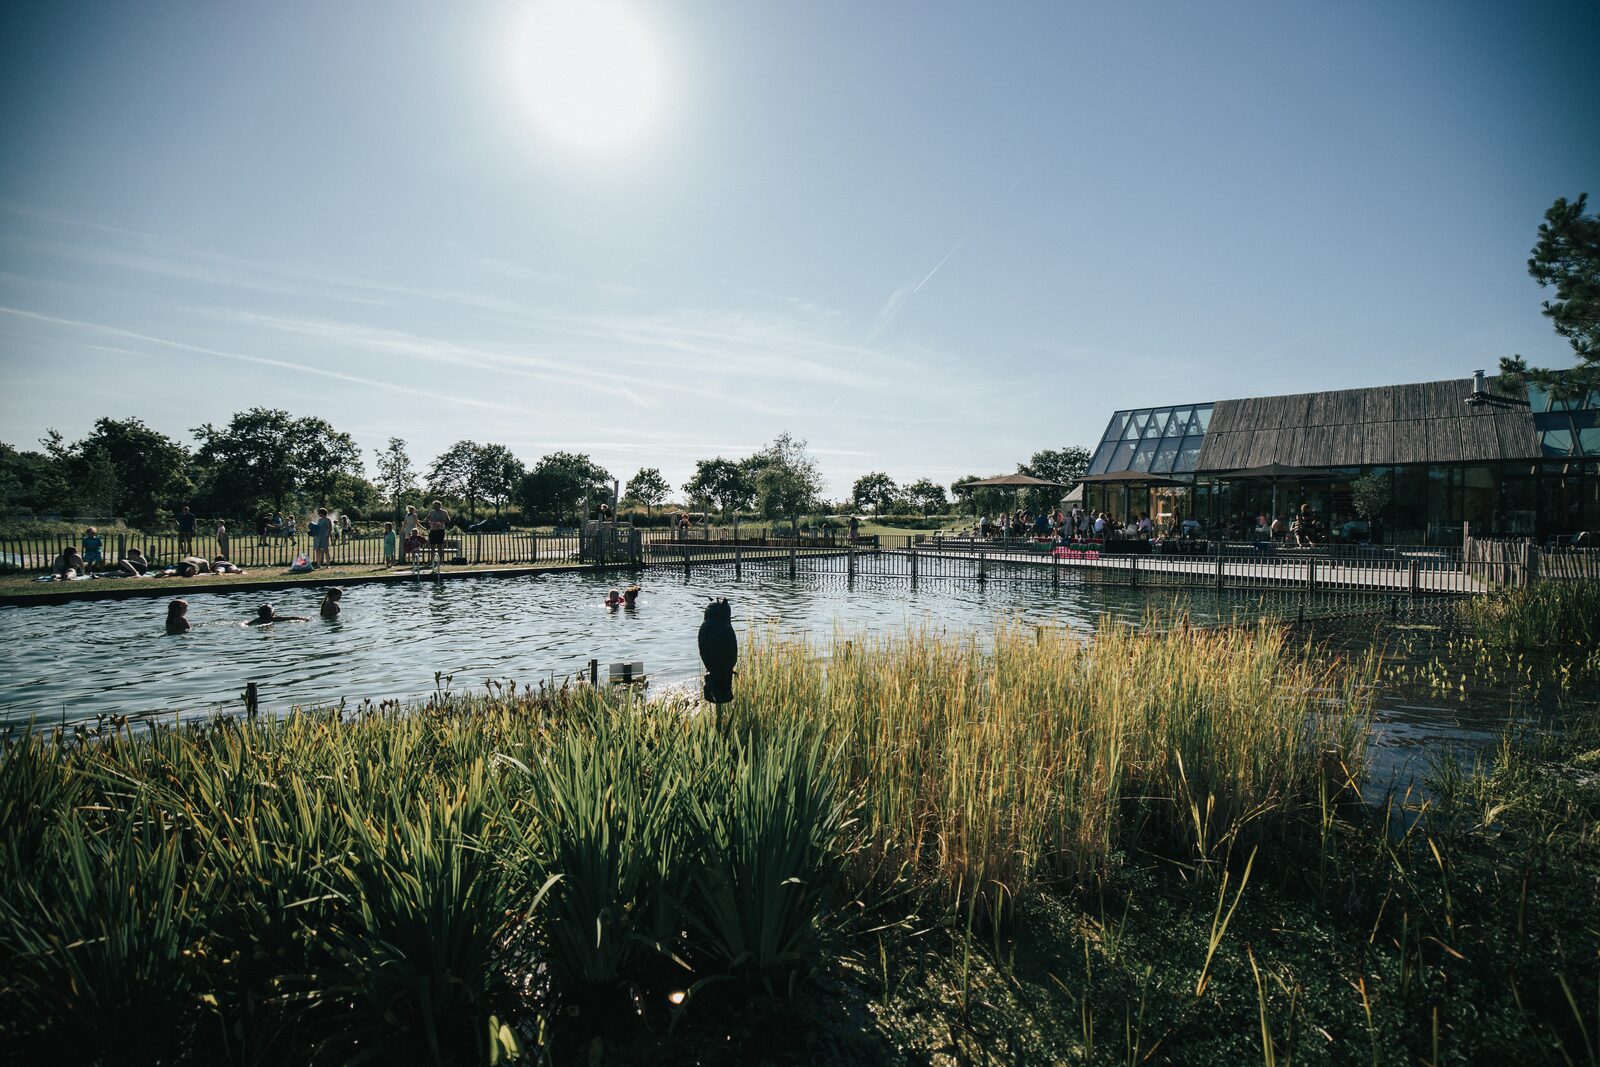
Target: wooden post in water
<point x="738" y="562"/>
<point x="794" y="555"/>
<point x="1219" y="571"/>
<point x="1133" y="571"/>
<point x="1311" y="575"/>
<point x="913" y="566"/>
<point x="1055" y="570"/>
<point x="983" y="572"/>
<point x="252" y="699"/>
<point x="1411" y="577"/>
<point x="850" y="561"/>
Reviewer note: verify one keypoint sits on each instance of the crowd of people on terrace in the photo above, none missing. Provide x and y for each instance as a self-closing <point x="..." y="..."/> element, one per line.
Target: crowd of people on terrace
<point x="1299" y="528"/>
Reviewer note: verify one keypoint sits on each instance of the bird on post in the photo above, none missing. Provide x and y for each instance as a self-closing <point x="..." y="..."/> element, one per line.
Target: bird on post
<point x="719" y="651"/>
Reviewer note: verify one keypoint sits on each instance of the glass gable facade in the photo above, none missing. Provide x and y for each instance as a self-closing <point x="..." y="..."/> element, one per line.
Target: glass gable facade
<point x="1158" y="441"/>
<point x="1567" y="428"/>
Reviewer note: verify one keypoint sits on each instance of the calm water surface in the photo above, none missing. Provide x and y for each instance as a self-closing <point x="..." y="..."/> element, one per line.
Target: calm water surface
<point x="74" y="661"/>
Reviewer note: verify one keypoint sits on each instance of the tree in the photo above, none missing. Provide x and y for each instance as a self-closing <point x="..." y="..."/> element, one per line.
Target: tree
<point x="396" y="477"/>
<point x="876" y="491"/>
<point x="926" y="496"/>
<point x="1065" y="465"/>
<point x="1567" y="256"/>
<point x="248" y="462"/>
<point x="648" y="487"/>
<point x="453" y="475"/>
<point x="728" y="485"/>
<point x="1371" y="494"/>
<point x="555" y="485"/>
<point x="323" y="458"/>
<point x="267" y="456"/>
<point x="133" y="469"/>
<point x="986" y="499"/>
<point x="497" y="474"/>
<point x="787" y="480"/>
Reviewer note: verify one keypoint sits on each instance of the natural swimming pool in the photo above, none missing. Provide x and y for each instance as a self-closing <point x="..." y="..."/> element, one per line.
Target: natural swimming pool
<point x="72" y="662"/>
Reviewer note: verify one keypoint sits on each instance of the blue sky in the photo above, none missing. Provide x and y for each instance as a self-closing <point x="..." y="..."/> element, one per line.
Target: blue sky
<point x="930" y="239"/>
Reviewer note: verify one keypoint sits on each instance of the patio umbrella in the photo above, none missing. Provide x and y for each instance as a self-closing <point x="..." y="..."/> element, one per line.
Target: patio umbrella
<point x="1273" y="472"/>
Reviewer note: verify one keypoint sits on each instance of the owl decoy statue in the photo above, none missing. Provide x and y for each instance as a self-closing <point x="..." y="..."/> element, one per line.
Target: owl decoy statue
<point x="719" y="651"/>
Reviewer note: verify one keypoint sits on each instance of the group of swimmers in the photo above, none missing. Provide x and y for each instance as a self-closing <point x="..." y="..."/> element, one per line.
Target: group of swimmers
<point x="178" y="613"/>
<point x="627" y="598"/>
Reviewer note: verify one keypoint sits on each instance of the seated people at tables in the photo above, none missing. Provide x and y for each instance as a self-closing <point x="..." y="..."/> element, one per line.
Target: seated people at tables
<point x="1303" y="531"/>
<point x="1041" y="525"/>
<point x="178" y="617"/>
<point x="1100" y="525"/>
<point x="1278" y="528"/>
<point x="1144" y="527"/>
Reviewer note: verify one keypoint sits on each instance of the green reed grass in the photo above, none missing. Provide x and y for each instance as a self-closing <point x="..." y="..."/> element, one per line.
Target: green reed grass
<point x="329" y="887"/>
<point x="979" y="773"/>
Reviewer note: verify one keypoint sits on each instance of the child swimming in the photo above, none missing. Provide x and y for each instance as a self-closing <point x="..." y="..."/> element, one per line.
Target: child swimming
<point x="178" y="617"/>
<point x="330" y="603"/>
<point x="613" y="600"/>
<point x="265" y="615"/>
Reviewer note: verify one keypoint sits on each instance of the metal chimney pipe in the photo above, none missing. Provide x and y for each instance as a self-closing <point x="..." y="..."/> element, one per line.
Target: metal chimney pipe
<point x="1478" y="385"/>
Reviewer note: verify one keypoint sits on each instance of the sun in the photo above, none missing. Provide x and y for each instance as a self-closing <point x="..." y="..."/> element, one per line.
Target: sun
<point x="590" y="72"/>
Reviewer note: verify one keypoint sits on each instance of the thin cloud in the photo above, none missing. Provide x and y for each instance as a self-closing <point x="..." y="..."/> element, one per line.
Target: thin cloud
<point x="264" y="361"/>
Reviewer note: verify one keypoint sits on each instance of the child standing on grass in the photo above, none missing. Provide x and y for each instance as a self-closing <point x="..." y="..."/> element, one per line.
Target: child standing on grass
<point x="222" y="537"/>
<point x="390" y="543"/>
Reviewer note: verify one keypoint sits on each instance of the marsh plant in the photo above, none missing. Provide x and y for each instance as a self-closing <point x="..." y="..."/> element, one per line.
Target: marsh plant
<point x="468" y="880"/>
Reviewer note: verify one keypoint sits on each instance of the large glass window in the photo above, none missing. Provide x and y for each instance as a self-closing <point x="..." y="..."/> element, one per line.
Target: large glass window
<point x="1155" y="440"/>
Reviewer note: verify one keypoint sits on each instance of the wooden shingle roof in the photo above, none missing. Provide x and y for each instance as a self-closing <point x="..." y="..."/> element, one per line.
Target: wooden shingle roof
<point x="1428" y="422"/>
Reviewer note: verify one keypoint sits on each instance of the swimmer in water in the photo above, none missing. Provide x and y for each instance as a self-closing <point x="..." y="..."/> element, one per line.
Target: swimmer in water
<point x="613" y="600"/>
<point x="630" y="597"/>
<point x="178" y="617"/>
<point x="330" y="603"/>
<point x="265" y="615"/>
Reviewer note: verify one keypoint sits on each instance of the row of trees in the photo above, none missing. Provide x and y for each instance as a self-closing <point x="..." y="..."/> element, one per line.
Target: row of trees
<point x="877" y="492"/>
<point x="265" y="460"/>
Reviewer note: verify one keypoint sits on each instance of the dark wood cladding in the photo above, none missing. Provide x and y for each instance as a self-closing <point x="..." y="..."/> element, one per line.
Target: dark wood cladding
<point x="1429" y="422"/>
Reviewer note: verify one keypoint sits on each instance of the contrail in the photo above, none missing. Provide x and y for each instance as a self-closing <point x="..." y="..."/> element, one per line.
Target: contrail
<point x="897" y="299"/>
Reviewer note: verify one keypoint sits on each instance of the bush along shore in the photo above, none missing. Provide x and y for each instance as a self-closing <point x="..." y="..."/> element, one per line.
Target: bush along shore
<point x="1150" y="847"/>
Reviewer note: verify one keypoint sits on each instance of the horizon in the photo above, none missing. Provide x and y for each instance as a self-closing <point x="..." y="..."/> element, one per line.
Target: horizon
<point x="865" y="227"/>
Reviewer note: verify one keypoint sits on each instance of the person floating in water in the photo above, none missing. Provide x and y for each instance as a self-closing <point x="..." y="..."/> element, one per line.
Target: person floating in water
<point x="178" y="617"/>
<point x="265" y="616"/>
<point x="614" y="600"/>
<point x="630" y="597"/>
<point x="330" y="603"/>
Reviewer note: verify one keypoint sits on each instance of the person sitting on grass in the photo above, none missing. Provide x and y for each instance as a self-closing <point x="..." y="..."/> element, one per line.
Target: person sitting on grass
<point x="178" y="617"/>
<point x="221" y="565"/>
<point x="68" y="565"/>
<point x="265" y="616"/>
<point x="92" y="546"/>
<point x="330" y="603"/>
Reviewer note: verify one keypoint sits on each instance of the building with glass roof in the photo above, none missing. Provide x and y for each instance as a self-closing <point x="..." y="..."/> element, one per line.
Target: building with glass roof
<point x="1453" y="452"/>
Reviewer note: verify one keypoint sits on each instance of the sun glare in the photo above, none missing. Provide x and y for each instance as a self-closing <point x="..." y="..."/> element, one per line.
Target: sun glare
<point x="590" y="71"/>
